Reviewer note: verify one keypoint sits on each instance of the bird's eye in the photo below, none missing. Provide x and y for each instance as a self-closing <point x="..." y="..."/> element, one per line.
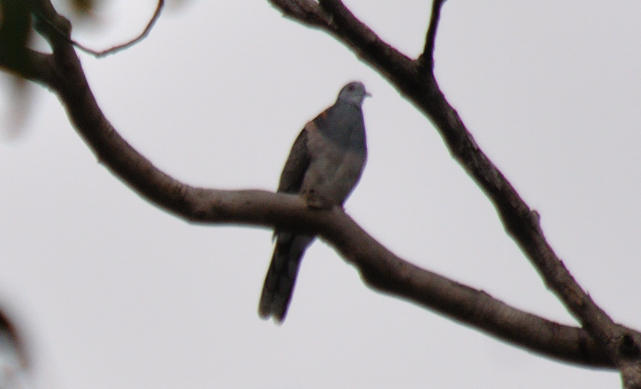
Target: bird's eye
<point x="350" y="88"/>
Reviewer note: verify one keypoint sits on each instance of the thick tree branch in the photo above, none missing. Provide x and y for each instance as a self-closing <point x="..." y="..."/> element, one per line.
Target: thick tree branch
<point x="520" y="222"/>
<point x="308" y="12"/>
<point x="367" y="45"/>
<point x="33" y="66"/>
<point x="15" y="57"/>
<point x="379" y="268"/>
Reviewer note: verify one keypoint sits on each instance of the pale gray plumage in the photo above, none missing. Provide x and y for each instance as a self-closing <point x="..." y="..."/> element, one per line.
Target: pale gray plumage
<point x="324" y="166"/>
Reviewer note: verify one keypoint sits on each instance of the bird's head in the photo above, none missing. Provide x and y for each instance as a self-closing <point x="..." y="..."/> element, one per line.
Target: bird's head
<point x="354" y="93"/>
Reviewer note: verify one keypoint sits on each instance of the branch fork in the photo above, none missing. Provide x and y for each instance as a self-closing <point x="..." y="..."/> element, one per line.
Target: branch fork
<point x="599" y="342"/>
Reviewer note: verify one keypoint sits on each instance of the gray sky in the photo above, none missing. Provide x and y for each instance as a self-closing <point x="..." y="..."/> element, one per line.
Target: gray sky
<point x="115" y="293"/>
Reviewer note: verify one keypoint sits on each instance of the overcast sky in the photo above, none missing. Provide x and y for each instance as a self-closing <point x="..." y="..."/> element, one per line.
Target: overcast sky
<point x="113" y="292"/>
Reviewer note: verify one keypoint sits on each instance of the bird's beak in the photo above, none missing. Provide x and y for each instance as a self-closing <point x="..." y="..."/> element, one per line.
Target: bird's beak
<point x="367" y="94"/>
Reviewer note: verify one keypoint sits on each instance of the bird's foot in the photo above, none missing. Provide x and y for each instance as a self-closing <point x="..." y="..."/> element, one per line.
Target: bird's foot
<point x="316" y="201"/>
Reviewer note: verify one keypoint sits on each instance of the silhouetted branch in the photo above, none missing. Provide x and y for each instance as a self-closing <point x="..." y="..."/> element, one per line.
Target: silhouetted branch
<point x="309" y="12"/>
<point x="380" y="268"/>
<point x="421" y="88"/>
<point x="114" y="49"/>
<point x="602" y="343"/>
<point x="426" y="60"/>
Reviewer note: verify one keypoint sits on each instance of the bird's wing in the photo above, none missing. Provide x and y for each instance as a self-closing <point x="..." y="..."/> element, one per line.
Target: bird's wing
<point x="297" y="163"/>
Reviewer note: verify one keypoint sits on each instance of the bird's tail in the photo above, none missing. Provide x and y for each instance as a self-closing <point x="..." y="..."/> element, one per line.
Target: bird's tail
<point x="281" y="276"/>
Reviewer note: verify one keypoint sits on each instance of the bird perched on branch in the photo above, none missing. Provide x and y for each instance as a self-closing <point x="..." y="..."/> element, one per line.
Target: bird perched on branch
<point x="323" y="167"/>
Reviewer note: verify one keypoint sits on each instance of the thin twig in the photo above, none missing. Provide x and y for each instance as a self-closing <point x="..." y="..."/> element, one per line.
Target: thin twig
<point x="114" y="49"/>
<point x="426" y="59"/>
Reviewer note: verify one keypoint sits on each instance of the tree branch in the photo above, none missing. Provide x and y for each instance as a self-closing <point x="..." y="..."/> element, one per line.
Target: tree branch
<point x="126" y="45"/>
<point x="426" y="59"/>
<point x="306" y="11"/>
<point x="521" y="223"/>
<point x="379" y="268"/>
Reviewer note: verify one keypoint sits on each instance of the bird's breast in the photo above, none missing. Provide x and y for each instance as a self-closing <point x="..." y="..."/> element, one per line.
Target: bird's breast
<point x="333" y="171"/>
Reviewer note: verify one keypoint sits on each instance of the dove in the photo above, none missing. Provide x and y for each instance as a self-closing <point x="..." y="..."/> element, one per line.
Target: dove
<point x="323" y="167"/>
